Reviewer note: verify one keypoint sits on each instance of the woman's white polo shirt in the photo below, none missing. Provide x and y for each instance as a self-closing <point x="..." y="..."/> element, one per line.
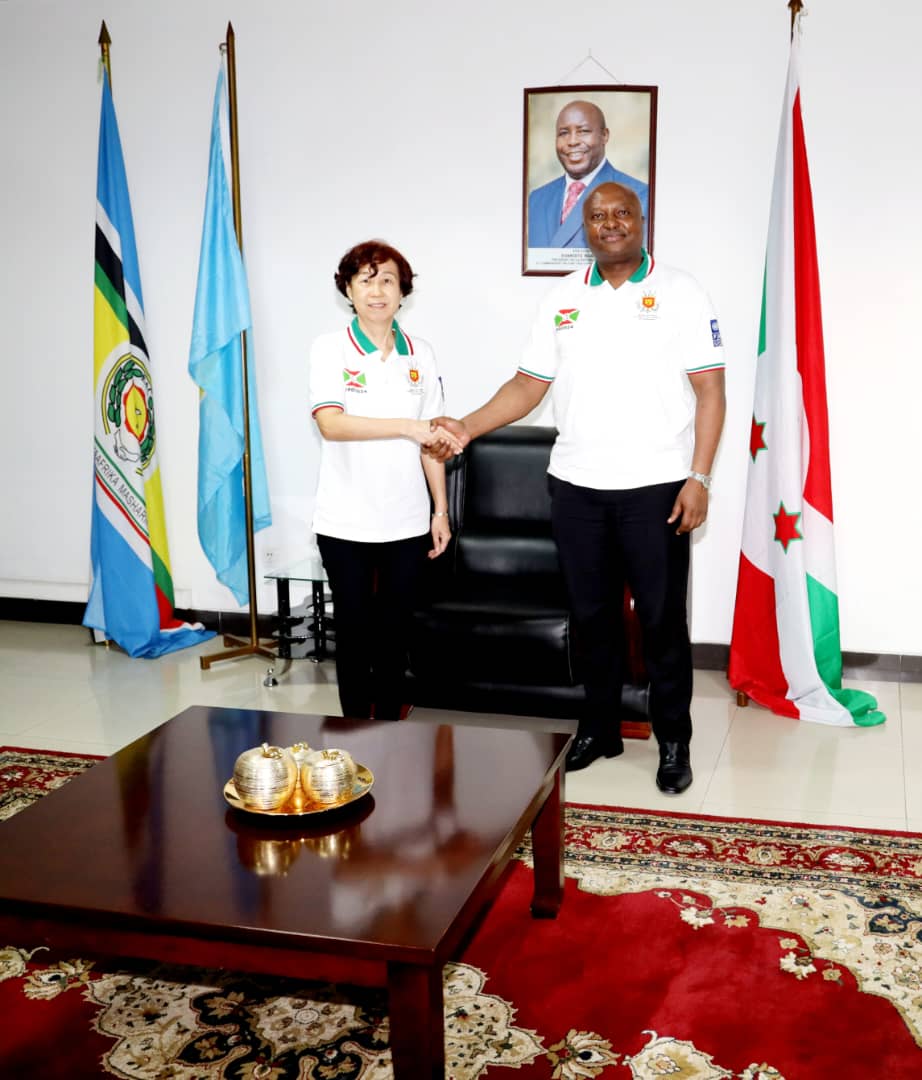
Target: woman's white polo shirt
<point x="373" y="490"/>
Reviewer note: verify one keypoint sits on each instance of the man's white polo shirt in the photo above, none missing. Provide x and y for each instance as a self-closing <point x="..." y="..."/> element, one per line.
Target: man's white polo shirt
<point x="619" y="361"/>
<point x="372" y="489"/>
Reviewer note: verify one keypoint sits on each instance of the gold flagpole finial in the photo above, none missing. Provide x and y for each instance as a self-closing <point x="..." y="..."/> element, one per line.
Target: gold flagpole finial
<point x="104" y="42"/>
<point x="795" y="6"/>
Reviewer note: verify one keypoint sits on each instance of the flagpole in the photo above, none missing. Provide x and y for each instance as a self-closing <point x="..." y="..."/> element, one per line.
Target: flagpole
<point x="742" y="698"/>
<point x="253" y="647"/>
<point x="99" y="637"/>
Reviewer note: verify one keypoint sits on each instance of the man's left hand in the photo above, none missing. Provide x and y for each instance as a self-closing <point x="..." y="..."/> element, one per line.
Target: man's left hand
<point x="690" y="508"/>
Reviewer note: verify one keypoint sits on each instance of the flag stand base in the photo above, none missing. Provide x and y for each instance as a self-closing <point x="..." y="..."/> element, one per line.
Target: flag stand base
<point x="742" y="698"/>
<point x="239" y="648"/>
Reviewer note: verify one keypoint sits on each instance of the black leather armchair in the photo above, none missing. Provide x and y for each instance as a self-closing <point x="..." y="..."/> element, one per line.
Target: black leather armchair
<point x="493" y="633"/>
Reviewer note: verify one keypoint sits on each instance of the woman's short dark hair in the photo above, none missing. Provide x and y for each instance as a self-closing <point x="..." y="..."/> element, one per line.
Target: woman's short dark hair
<point x="372" y="253"/>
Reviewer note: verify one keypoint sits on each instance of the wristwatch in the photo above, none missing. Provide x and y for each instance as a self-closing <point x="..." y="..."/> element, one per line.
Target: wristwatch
<point x="702" y="478"/>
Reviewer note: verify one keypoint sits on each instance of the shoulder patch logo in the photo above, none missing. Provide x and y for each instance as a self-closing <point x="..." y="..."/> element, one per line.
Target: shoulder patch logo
<point x="565" y="318"/>
<point x="715" y="334"/>
<point x="354" y="379"/>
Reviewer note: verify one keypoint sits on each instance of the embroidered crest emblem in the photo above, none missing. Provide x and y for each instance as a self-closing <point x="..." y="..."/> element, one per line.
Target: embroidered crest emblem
<point x="354" y="379"/>
<point x="414" y="375"/>
<point x="715" y="334"/>
<point x="648" y="305"/>
<point x="128" y="411"/>
<point x="565" y="318"/>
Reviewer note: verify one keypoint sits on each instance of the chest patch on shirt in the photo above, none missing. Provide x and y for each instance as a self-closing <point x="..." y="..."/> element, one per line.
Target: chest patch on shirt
<point x="355" y="380"/>
<point x="415" y="380"/>
<point x="565" y="318"/>
<point x="715" y="334"/>
<point x="648" y="306"/>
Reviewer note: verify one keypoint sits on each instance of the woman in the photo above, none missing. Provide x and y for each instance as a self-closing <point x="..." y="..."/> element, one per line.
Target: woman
<point x="373" y="390"/>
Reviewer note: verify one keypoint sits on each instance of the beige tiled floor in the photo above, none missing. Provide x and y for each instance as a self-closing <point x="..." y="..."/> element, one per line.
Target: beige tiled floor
<point x="58" y="691"/>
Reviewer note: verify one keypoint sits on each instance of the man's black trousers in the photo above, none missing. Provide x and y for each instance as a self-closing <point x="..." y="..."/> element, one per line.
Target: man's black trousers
<point x="604" y="539"/>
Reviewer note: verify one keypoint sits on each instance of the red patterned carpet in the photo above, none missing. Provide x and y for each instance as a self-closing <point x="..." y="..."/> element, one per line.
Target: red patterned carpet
<point x="687" y="947"/>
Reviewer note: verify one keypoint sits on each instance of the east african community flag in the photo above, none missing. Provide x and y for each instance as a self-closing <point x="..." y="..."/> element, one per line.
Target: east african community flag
<point x="131" y="593"/>
<point x="785" y="651"/>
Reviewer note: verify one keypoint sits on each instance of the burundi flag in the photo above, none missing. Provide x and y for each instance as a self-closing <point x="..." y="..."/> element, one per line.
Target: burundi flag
<point x="131" y="594"/>
<point x="785" y="651"/>
<point x="222" y="313"/>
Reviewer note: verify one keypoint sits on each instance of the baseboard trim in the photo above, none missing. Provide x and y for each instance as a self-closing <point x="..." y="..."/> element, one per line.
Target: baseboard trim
<point x="68" y="613"/>
<point x="17" y="609"/>
<point x="887" y="667"/>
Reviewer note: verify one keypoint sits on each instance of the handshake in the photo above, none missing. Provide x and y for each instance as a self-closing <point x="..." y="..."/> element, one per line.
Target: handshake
<point x="444" y="438"/>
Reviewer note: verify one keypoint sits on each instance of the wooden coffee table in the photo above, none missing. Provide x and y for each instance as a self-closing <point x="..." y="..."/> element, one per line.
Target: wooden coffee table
<point x="141" y="856"/>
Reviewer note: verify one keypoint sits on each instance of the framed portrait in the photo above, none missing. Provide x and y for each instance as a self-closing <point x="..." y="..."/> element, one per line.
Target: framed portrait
<point x="577" y="137"/>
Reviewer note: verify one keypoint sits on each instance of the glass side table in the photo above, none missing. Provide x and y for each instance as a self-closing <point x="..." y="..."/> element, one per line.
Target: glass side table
<point x="305" y="633"/>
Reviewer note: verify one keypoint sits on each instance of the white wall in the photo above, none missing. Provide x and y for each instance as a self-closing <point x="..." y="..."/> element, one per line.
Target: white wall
<point x="404" y="121"/>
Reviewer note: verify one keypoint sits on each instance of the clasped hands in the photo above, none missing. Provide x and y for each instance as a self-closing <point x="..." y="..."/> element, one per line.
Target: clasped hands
<point x="447" y="437"/>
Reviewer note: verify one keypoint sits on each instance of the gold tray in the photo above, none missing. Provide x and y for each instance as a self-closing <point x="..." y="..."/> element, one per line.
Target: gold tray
<point x="295" y="808"/>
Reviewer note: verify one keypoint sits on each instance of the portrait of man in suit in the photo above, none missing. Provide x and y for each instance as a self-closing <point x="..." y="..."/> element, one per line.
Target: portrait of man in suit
<point x="589" y="151"/>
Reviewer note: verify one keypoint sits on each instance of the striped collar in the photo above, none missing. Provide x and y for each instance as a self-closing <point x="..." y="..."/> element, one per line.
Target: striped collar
<point x="366" y="346"/>
<point x="593" y="277"/>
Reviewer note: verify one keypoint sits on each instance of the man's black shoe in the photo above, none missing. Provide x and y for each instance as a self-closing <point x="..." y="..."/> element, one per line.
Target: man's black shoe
<point x="586" y="748"/>
<point x="674" y="774"/>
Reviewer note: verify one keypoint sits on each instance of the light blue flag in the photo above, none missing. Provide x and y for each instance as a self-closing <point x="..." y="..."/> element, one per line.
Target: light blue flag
<point x="222" y="312"/>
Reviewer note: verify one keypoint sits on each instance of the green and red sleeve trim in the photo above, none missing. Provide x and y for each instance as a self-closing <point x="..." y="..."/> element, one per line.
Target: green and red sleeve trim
<point x="705" y="367"/>
<point x="536" y="376"/>
<point x="328" y="405"/>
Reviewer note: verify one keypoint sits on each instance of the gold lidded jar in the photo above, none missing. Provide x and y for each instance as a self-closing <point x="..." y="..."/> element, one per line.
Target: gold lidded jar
<point x="299" y="751"/>
<point x="265" y="777"/>
<point x="328" y="776"/>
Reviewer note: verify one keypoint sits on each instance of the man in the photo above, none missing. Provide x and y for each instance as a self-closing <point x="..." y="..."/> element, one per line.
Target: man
<point x="634" y="356"/>
<point x="555" y="210"/>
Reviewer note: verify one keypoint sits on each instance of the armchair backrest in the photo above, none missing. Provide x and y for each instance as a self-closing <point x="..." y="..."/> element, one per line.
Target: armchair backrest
<point x="501" y="511"/>
<point x="506" y="483"/>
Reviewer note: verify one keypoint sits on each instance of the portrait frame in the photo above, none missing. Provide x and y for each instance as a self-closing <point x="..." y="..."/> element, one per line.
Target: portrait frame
<point x="551" y="247"/>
